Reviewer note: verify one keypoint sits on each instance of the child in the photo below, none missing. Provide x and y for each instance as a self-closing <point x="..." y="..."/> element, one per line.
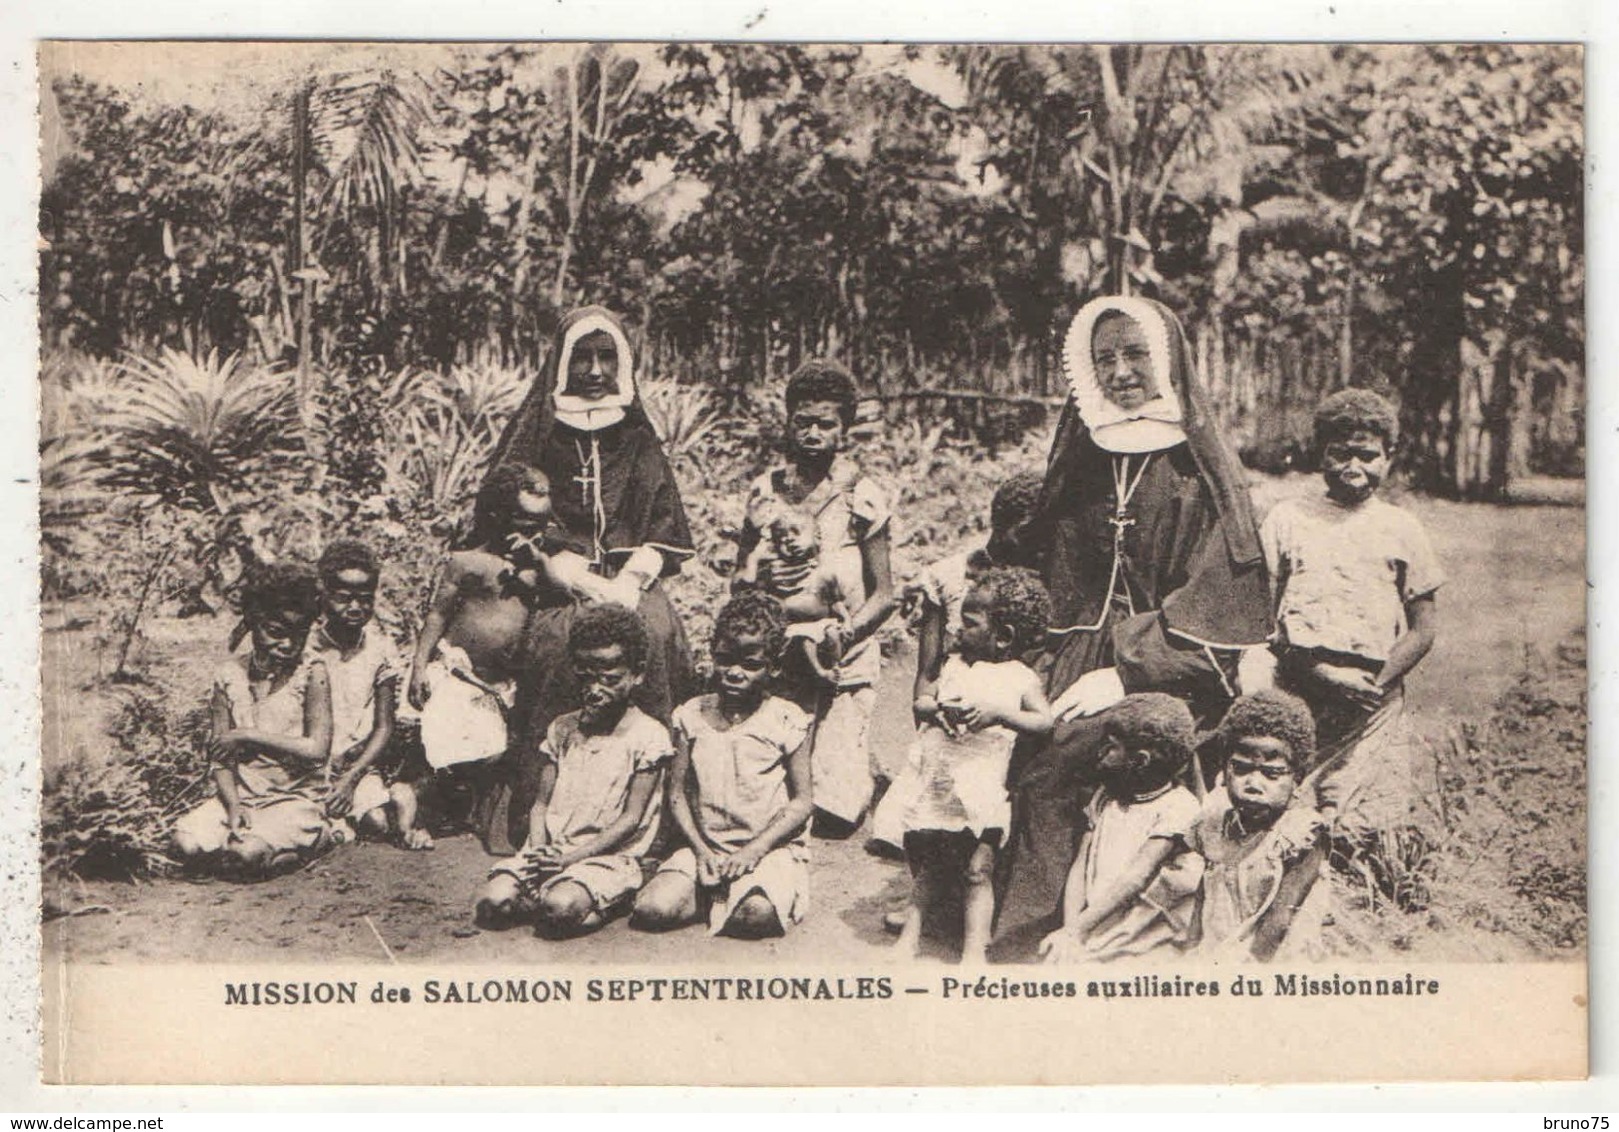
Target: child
<point x="851" y="517"/>
<point x="272" y="738"/>
<point x="1133" y="887"/>
<point x="982" y="700"/>
<point x="597" y="815"/>
<point x="813" y="591"/>
<point x="1355" y="579"/>
<point x="1262" y="852"/>
<point x="363" y="667"/>
<point x="463" y="673"/>
<point x="934" y="603"/>
<point x="739" y="791"/>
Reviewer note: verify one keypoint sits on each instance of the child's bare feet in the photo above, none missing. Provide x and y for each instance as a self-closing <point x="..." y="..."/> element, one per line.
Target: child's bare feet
<point x="417" y="839"/>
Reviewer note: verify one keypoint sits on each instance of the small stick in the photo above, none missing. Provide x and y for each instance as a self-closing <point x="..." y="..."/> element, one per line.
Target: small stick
<point x="386" y="950"/>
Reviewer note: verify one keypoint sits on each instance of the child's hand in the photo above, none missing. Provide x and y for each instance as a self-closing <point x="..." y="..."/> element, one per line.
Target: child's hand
<point x="952" y="717"/>
<point x="740" y="863"/>
<point x="708" y="867"/>
<point x="342" y="797"/>
<point x="418" y="691"/>
<point x="547" y="859"/>
<point x="1062" y="946"/>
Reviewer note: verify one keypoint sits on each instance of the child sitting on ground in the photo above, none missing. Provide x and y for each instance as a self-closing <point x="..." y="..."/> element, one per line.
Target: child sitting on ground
<point x="983" y="698"/>
<point x="1262" y="851"/>
<point x="933" y="603"/>
<point x="1355" y="578"/>
<point x="739" y="791"/>
<point x="1133" y="886"/>
<point x="597" y="812"/>
<point x="463" y="673"/>
<point x="271" y="715"/>
<point x="851" y="518"/>
<point x="364" y="669"/>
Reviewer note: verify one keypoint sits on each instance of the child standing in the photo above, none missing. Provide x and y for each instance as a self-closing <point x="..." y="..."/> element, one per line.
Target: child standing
<point x="852" y="518"/>
<point x="597" y="815"/>
<point x="739" y="791"/>
<point x="934" y="603"/>
<point x="364" y="670"/>
<point x="271" y="715"/>
<point x="982" y="700"/>
<point x="1262" y="850"/>
<point x="1355" y="579"/>
<point x="463" y="673"/>
<point x="1133" y="887"/>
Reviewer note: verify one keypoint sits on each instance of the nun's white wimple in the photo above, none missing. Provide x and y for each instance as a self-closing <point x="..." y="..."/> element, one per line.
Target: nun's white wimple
<point x="1154" y="426"/>
<point x="588" y="416"/>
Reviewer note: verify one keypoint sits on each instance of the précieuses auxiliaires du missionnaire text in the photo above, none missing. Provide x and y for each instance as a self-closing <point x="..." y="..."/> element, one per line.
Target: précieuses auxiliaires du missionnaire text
<point x="783" y="988"/>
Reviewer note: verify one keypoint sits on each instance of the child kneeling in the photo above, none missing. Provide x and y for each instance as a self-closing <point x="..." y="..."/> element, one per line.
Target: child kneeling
<point x="740" y="791"/>
<point x="982" y="700"/>
<point x="271" y="716"/>
<point x="596" y="816"/>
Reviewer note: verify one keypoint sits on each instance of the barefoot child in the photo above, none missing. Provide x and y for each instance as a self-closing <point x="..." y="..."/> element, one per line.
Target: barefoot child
<point x="1133" y="887"/>
<point x="1262" y="849"/>
<point x="739" y="792"/>
<point x="272" y="738"/>
<point x="1355" y="579"/>
<point x="982" y="700"/>
<point x="597" y="814"/>
<point x="934" y="603"/>
<point x="463" y="672"/>
<point x="364" y="669"/>
<point x="851" y="518"/>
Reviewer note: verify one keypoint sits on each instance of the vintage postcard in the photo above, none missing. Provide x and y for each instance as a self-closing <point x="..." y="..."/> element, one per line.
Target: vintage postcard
<point x="850" y="564"/>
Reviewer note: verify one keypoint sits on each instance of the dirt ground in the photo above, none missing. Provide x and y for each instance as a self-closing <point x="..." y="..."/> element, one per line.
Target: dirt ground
<point x="1517" y="587"/>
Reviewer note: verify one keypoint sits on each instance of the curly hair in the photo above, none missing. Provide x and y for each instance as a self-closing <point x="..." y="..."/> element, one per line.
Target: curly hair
<point x="497" y="499"/>
<point x="1015" y="501"/>
<point x="821" y="379"/>
<point x="751" y="613"/>
<point x="1356" y="410"/>
<point x="1272" y="714"/>
<point x="603" y="626"/>
<point x="348" y="554"/>
<point x="1159" y="723"/>
<point x="282" y="587"/>
<point x="1015" y="597"/>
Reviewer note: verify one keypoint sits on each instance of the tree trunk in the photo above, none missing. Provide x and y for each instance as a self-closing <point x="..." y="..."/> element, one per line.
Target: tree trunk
<point x="1481" y="421"/>
<point x="300" y="230"/>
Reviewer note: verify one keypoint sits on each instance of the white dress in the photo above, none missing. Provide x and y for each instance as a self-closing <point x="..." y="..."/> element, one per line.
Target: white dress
<point x="959" y="783"/>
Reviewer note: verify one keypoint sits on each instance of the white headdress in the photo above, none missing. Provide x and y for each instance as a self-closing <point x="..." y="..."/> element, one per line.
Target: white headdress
<point x="577" y="412"/>
<point x="1151" y="427"/>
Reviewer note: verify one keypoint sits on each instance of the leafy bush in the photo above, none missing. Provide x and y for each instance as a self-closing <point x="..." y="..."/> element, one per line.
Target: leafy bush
<point x="193" y="429"/>
<point x="112" y="820"/>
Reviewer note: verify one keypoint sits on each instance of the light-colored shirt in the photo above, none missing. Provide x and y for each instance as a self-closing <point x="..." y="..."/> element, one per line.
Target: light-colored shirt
<point x="276" y="710"/>
<point x="594" y="774"/>
<point x="741" y="767"/>
<point x="1345" y="573"/>
<point x="1243" y="873"/>
<point x="356" y="679"/>
<point x="1162" y="915"/>
<point x="849" y="509"/>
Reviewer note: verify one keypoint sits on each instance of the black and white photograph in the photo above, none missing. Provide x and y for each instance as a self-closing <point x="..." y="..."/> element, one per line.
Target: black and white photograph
<point x="1104" y="518"/>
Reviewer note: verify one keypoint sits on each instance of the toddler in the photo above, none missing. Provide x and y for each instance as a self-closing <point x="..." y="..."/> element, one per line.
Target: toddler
<point x="1133" y="887"/>
<point x="982" y="700"/>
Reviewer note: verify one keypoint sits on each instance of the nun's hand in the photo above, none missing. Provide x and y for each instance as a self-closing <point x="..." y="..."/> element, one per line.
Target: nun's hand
<point x="1093" y="692"/>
